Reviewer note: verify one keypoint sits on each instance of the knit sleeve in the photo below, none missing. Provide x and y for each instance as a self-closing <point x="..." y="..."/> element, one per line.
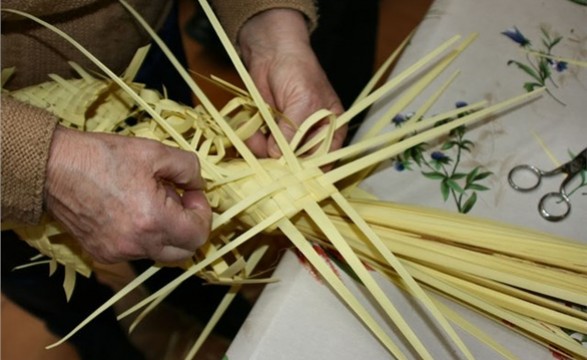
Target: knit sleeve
<point x="233" y="14"/>
<point x="26" y="134"/>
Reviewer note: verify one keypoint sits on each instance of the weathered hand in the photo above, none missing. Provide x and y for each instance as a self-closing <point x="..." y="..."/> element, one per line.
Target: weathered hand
<point x="276" y="48"/>
<point x="117" y="196"/>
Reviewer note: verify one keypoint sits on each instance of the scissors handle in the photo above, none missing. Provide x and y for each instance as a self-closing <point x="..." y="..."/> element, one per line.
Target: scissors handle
<point x="528" y="169"/>
<point x="548" y="201"/>
<point x="558" y="198"/>
<point x="571" y="169"/>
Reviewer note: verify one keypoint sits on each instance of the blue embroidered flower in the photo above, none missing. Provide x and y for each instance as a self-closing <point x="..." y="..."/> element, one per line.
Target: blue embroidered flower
<point x="444" y="165"/>
<point x="402" y="118"/>
<point x="560" y="66"/>
<point x="438" y="156"/>
<point x="517" y="36"/>
<point x="399" y="119"/>
<point x="538" y="67"/>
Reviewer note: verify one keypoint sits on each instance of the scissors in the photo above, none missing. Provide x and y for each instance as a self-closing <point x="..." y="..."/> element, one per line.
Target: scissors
<point x="572" y="169"/>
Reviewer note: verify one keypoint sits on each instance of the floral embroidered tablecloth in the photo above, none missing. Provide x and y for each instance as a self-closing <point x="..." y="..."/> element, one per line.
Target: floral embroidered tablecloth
<point x="469" y="170"/>
<point x="300" y="318"/>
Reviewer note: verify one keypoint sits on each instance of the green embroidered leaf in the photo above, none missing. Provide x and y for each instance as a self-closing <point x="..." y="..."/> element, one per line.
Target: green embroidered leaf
<point x="476" y="187"/>
<point x="556" y="41"/>
<point x="444" y="190"/>
<point x="407" y="165"/>
<point x="544" y="70"/>
<point x="448" y="145"/>
<point x="434" y="175"/>
<point x="457" y="176"/>
<point x="459" y="131"/>
<point x="469" y="203"/>
<point x="527" y="69"/>
<point x="482" y="175"/>
<point x="466" y="144"/>
<point x="415" y="153"/>
<point x="454" y="186"/>
<point x="476" y="176"/>
<point x="531" y="86"/>
<point x="472" y="174"/>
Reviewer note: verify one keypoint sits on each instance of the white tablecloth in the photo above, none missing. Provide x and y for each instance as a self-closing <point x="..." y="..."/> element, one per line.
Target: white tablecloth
<point x="300" y="318"/>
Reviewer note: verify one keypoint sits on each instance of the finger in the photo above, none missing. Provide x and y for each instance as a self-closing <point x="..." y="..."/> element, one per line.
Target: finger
<point x="171" y="192"/>
<point x="189" y="199"/>
<point x="180" y="167"/>
<point x="187" y="225"/>
<point x="171" y="254"/>
<point x="288" y="128"/>
<point x="195" y="200"/>
<point x="337" y="138"/>
<point x="258" y="144"/>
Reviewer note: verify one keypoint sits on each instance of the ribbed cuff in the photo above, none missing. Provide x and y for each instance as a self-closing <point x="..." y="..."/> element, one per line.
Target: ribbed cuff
<point x="25" y="140"/>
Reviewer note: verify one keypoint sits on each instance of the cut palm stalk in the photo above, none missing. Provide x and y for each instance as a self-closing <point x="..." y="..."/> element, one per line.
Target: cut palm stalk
<point x="336" y="284"/>
<point x="476" y="233"/>
<point x="378" y="156"/>
<point x="135" y="283"/>
<point x="250" y="266"/>
<point x="557" y="58"/>
<point x="393" y="83"/>
<point x="431" y="100"/>
<point x="529" y="325"/>
<point x="351" y="151"/>
<point x="413" y="91"/>
<point x="477" y="332"/>
<point x="450" y="314"/>
<point x="520" y="273"/>
<point x="383" y="69"/>
<point x="524" y="304"/>
<point x="505" y="301"/>
<point x="363" y="274"/>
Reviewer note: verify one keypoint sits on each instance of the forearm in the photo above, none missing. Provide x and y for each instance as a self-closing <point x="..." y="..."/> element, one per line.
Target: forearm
<point x="234" y="14"/>
<point x="273" y="31"/>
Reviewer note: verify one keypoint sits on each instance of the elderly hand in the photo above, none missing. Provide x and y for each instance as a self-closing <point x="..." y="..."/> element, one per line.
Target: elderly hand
<point x="117" y="196"/>
<point x="276" y="48"/>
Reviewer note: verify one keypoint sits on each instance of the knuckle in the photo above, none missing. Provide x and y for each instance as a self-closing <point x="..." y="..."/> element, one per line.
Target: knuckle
<point x="145" y="222"/>
<point x="151" y="149"/>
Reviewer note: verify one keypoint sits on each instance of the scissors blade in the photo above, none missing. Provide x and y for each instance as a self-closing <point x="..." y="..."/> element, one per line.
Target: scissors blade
<point x="578" y="164"/>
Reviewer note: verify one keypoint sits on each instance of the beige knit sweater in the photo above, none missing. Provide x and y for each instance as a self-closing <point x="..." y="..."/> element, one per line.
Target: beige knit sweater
<point x="106" y="29"/>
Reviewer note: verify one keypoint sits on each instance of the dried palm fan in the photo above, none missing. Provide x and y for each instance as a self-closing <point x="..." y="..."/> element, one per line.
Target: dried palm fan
<point x="293" y="197"/>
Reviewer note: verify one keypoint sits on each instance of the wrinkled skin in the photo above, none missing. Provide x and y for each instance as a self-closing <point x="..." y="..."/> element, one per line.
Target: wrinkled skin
<point x="116" y="196"/>
<point x="275" y="46"/>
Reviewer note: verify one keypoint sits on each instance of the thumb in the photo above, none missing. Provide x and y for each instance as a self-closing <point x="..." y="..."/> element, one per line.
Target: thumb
<point x="181" y="168"/>
<point x="188" y="216"/>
